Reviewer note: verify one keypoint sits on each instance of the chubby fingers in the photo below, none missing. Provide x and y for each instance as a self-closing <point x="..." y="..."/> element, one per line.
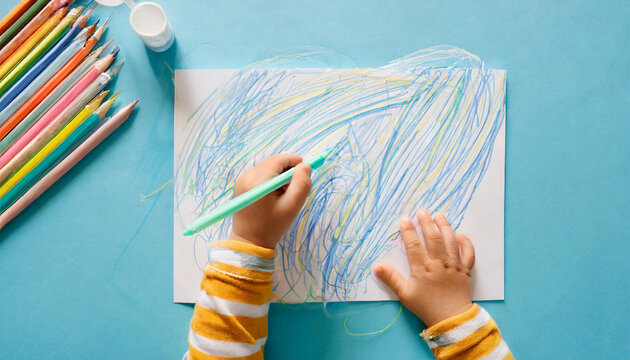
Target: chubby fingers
<point x="416" y="252"/>
<point x="265" y="170"/>
<point x="450" y="241"/>
<point x="468" y="251"/>
<point x="432" y="237"/>
<point x="296" y="193"/>
<point x="277" y="164"/>
<point x="391" y="277"/>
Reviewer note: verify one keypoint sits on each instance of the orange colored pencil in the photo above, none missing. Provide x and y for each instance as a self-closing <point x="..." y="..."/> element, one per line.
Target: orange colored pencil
<point x="32" y="41"/>
<point x="45" y="90"/>
<point x="15" y="14"/>
<point x="31" y="27"/>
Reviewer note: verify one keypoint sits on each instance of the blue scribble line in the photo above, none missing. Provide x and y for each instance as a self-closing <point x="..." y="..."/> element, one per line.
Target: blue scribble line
<point x="417" y="133"/>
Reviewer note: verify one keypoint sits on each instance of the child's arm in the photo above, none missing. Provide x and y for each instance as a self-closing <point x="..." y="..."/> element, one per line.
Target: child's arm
<point x="230" y="318"/>
<point x="438" y="291"/>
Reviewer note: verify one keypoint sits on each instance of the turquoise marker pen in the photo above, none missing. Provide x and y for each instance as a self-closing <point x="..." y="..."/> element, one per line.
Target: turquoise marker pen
<point x="251" y="196"/>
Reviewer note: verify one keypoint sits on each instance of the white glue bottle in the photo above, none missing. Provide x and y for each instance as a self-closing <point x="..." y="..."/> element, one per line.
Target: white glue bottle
<point x="149" y="21"/>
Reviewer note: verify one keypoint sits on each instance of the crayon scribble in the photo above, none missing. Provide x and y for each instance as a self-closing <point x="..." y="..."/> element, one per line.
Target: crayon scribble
<point x="416" y="133"/>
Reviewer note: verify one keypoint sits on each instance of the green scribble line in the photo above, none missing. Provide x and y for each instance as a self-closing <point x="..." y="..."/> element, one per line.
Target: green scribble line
<point x="156" y="191"/>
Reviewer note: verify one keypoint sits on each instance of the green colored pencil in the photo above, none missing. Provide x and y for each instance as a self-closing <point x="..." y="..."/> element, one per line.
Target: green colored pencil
<point x="251" y="196"/>
<point x="19" y="23"/>
<point x="39" y="50"/>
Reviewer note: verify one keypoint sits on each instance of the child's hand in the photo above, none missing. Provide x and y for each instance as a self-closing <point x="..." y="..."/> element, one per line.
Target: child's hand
<point x="439" y="283"/>
<point x="264" y="222"/>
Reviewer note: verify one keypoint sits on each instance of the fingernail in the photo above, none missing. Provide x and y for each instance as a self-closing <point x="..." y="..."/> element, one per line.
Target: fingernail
<point x="376" y="270"/>
<point x="405" y="223"/>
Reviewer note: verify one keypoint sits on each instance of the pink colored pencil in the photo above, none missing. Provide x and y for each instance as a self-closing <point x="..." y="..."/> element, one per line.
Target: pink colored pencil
<point x="66" y="164"/>
<point x="30" y="28"/>
<point x="65" y="101"/>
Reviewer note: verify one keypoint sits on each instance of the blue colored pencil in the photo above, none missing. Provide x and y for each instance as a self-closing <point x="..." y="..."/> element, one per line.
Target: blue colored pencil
<point x="14" y="105"/>
<point x="39" y="66"/>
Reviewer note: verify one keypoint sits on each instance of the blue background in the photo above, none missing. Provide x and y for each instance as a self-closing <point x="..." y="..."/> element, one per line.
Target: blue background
<point x="86" y="271"/>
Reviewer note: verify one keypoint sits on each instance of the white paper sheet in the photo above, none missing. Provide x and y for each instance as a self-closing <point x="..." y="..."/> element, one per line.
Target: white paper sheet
<point x="360" y="111"/>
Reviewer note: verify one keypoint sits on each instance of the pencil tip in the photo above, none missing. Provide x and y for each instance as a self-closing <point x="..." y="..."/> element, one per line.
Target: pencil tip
<point x="114" y="71"/>
<point x="102" y="28"/>
<point x="188" y="232"/>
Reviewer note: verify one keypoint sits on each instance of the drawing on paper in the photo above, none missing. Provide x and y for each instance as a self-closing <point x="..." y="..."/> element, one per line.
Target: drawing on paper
<point x="420" y="132"/>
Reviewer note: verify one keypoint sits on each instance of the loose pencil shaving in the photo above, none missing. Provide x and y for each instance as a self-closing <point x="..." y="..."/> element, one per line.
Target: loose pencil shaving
<point x="66" y="164"/>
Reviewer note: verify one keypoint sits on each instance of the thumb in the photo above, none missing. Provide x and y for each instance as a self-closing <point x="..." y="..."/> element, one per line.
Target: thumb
<point x="391" y="277"/>
<point x="297" y="192"/>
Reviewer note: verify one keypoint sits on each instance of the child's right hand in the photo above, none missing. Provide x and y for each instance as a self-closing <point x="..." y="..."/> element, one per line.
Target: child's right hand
<point x="439" y="284"/>
<point x="264" y="222"/>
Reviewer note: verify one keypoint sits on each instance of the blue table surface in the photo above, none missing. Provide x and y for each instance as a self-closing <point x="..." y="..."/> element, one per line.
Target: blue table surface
<point x="86" y="271"/>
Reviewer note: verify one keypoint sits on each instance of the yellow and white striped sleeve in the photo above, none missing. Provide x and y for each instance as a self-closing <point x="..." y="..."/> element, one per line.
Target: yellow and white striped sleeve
<point x="467" y="336"/>
<point x="230" y="317"/>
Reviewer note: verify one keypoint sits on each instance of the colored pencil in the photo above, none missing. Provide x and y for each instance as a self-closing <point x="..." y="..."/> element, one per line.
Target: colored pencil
<point x="31" y="27"/>
<point x="32" y="41"/>
<point x="36" y="85"/>
<point x="46" y="82"/>
<point x="66" y="164"/>
<point x="15" y="14"/>
<point x="52" y="144"/>
<point x="85" y="85"/>
<point x="44" y="136"/>
<point x="23" y="20"/>
<point x="19" y="123"/>
<point x="40" y="49"/>
<point x="76" y="107"/>
<point x="44" y="69"/>
<point x="55" y="154"/>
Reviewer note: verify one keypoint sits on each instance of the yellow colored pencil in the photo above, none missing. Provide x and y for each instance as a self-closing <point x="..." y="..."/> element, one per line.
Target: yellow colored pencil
<point x="30" y="43"/>
<point x="87" y="111"/>
<point x="40" y="49"/>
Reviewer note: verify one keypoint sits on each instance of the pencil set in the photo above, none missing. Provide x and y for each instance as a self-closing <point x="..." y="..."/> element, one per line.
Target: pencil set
<point x="54" y="71"/>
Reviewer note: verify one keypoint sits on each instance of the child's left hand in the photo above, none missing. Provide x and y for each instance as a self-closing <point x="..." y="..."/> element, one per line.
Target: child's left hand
<point x="264" y="222"/>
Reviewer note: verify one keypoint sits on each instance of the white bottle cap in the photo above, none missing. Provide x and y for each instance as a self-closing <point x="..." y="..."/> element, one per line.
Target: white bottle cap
<point x="149" y="21"/>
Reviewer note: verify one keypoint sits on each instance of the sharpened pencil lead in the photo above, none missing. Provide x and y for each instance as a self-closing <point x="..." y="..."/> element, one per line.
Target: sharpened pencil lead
<point x="114" y="71"/>
<point x="115" y="50"/>
<point x="99" y="51"/>
<point x="102" y="28"/>
<point x="106" y="106"/>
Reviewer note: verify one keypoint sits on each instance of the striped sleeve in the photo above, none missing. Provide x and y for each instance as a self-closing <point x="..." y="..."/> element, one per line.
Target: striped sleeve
<point x="230" y="317"/>
<point x="470" y="335"/>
